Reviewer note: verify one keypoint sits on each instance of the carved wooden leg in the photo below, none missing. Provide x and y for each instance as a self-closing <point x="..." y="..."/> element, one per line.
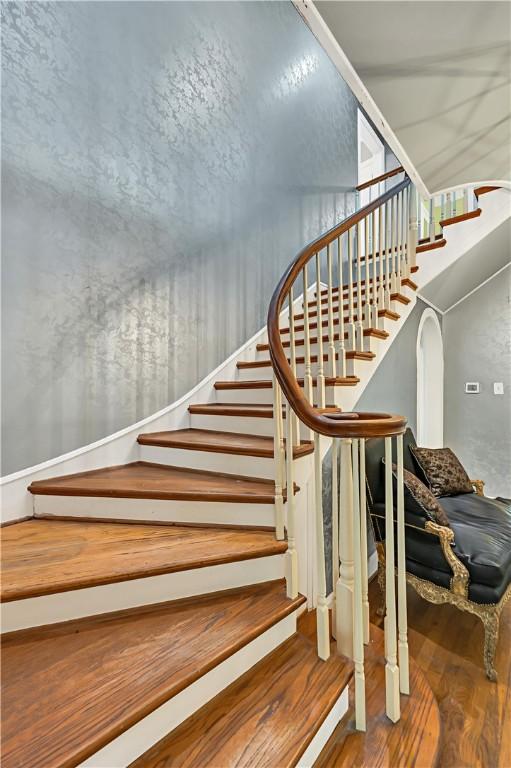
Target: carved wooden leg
<point x="491" y="636"/>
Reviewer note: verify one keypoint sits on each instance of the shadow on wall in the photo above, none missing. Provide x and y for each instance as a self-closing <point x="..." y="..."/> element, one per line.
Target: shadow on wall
<point x="163" y="163"/>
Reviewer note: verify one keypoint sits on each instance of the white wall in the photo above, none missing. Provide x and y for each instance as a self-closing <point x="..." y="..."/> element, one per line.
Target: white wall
<point x="477" y="347"/>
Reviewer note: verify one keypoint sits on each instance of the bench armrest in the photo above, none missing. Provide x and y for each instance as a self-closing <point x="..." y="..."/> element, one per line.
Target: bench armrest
<point x="478" y="486"/>
<point x="460" y="575"/>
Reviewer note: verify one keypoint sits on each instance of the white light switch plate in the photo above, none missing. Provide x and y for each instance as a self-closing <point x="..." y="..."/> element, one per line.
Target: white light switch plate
<point x="498" y="388"/>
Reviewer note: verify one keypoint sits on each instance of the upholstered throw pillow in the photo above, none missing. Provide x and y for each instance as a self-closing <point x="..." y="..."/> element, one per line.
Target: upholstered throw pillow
<point x="442" y="470"/>
<point x="418" y="498"/>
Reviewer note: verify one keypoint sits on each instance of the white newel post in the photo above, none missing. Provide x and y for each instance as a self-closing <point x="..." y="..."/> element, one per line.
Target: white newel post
<point x="344" y="586"/>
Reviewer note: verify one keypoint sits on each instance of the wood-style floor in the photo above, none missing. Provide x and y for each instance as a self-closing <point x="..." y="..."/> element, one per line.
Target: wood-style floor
<point x="475" y="714"/>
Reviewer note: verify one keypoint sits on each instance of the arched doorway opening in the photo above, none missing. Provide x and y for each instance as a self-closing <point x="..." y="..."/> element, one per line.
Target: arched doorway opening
<point x="430" y="382"/>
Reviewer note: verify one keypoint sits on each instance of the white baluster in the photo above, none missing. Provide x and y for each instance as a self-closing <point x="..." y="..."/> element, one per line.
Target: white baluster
<point x="400" y="240"/>
<point x="352" y="343"/>
<point x="358" y="628"/>
<point x="307" y="345"/>
<point x="363" y="541"/>
<point x="277" y="458"/>
<point x="404" y="680"/>
<point x="331" y="342"/>
<point x="383" y="246"/>
<point x="341" y="345"/>
<point x="322" y="617"/>
<point x="366" y="315"/>
<point x="320" y="376"/>
<point x="344" y="587"/>
<point x="291" y="555"/>
<point x="359" y="330"/>
<point x="335" y="524"/>
<point x="375" y="248"/>
<point x="442" y="208"/>
<point x="465" y="201"/>
<point x="393" y="241"/>
<point x="412" y="231"/>
<point x="391" y="668"/>
<point x="432" y="219"/>
<point x="388" y="252"/>
<point x="292" y="346"/>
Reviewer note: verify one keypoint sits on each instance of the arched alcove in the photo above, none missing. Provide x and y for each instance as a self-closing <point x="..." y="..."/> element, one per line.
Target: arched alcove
<point x="430" y="381"/>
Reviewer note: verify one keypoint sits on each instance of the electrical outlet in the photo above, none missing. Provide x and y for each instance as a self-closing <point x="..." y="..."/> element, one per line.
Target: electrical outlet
<point x="498" y="388"/>
<point x="472" y="387"/>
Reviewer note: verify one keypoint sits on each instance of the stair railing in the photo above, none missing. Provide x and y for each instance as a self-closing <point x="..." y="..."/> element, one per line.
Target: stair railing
<point x="444" y="208"/>
<point x="355" y="271"/>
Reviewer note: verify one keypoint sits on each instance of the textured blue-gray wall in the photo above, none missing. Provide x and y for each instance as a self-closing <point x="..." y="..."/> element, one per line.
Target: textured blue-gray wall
<point x="162" y="163"/>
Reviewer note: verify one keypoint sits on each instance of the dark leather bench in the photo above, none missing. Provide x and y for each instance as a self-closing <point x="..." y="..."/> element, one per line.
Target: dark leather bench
<point x="467" y="564"/>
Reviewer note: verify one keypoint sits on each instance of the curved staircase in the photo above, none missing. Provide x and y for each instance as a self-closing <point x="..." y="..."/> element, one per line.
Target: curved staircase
<point x="149" y="611"/>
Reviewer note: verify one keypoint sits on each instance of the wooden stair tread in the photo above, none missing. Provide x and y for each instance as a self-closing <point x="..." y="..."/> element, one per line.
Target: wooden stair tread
<point x="71" y="688"/>
<point x="268" y="717"/>
<point x="345" y="288"/>
<point x="484" y="190"/>
<point x="337" y="381"/>
<point x="376" y="333"/>
<point x="219" y="442"/>
<point x="351" y="354"/>
<point x="461" y="217"/>
<point x="430" y="247"/>
<point x="144" y="480"/>
<point x="261" y="410"/>
<point x="41" y="557"/>
<point x="389" y="313"/>
<point x="413" y="741"/>
<point x="335" y="307"/>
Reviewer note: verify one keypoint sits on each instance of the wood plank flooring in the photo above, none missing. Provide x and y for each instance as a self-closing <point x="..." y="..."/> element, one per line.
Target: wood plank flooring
<point x="40" y="557"/>
<point x="267" y="718"/>
<point x="71" y="688"/>
<point x="144" y="480"/>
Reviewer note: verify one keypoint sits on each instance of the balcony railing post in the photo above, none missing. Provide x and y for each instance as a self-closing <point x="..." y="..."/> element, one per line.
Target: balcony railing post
<point x="344" y="586"/>
<point x="322" y="614"/>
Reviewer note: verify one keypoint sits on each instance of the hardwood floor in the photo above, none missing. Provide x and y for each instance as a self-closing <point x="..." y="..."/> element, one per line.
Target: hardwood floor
<point x="475" y="713"/>
<point x="40" y="557"/>
<point x="70" y="689"/>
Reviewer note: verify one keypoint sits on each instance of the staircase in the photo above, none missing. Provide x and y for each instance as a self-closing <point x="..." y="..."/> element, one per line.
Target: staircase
<point x="150" y="609"/>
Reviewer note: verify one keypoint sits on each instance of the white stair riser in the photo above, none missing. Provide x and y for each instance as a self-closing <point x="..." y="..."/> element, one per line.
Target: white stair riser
<point x="140" y="737"/>
<point x="263" y="374"/>
<point x="328" y="726"/>
<point x="246" y="425"/>
<point x="253" y="466"/>
<point x="156" y="510"/>
<point x="106" y="598"/>
<point x="259" y="396"/>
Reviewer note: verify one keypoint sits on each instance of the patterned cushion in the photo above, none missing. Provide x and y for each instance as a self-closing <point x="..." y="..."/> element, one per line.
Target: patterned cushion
<point x="418" y="499"/>
<point x="443" y="471"/>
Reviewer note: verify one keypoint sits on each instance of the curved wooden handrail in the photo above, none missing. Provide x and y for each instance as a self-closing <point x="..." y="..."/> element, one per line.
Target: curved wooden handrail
<point x="325" y="423"/>
<point x="383" y="177"/>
